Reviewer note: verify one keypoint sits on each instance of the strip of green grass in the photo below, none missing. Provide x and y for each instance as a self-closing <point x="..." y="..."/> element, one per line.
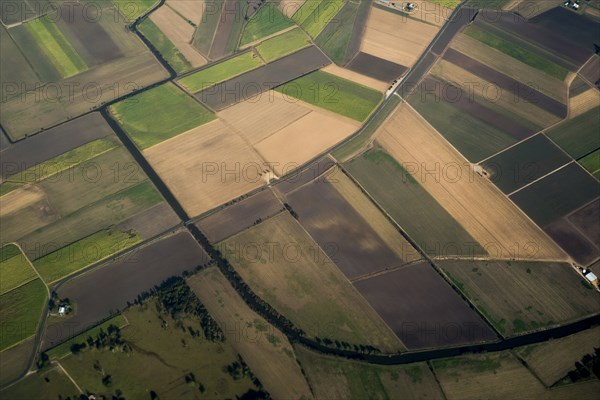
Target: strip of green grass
<point x="578" y="136"/>
<point x="20" y="311"/>
<point x="591" y="162"/>
<point x="56" y="47"/>
<point x="221" y="72"/>
<point x="267" y="20"/>
<point x="325" y="12"/>
<point x="64" y="161"/>
<point x="335" y="94"/>
<point x="78" y="255"/>
<point x="159" y="114"/>
<point x="517" y="52"/>
<point x="305" y="11"/>
<point x="282" y="45"/>
<point x="164" y="46"/>
<point x="64" y="349"/>
<point x="15" y="269"/>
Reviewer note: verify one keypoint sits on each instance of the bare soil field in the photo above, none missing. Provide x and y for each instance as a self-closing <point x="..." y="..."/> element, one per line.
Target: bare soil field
<point x="467" y="196"/>
<point x="321" y="167"/>
<point x="103" y="291"/>
<point x="358" y="76"/>
<point x="586" y="220"/>
<point x="229" y="29"/>
<point x="506" y="83"/>
<point x="189" y="9"/>
<point x="259" y="118"/>
<point x="591" y="69"/>
<point x="573" y="241"/>
<point x="584" y="102"/>
<point x="265" y="349"/>
<point x="422" y="309"/>
<point x="394" y="38"/>
<point x="240" y="216"/>
<point x="289" y="7"/>
<point x="207" y="166"/>
<point x="375" y="67"/>
<point x="179" y="31"/>
<point x="304" y="139"/>
<point x="152" y="221"/>
<point x="37" y="149"/>
<point x="24" y="210"/>
<point x="252" y="84"/>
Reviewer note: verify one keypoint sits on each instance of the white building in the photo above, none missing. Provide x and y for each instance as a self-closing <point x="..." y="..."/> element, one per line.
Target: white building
<point x="592" y="278"/>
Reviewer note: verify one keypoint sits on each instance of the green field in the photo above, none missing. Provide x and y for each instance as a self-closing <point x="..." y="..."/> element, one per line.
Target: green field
<point x="48" y="384"/>
<point x="282" y="45"/>
<point x="159" y="114"/>
<point x="519" y="297"/>
<point x="317" y="297"/>
<point x="133" y="9"/>
<point x="591" y="162"/>
<point x="339" y="378"/>
<point x="267" y="20"/>
<point x="20" y="311"/>
<point x="56" y="47"/>
<point x="65" y="161"/>
<point x="578" y="136"/>
<point x="84" y="252"/>
<point x="64" y="349"/>
<point x="164" y="46"/>
<point x="517" y="51"/>
<point x="313" y="16"/>
<point x="15" y="269"/>
<point x="435" y="231"/>
<point x="221" y="72"/>
<point x="205" y="31"/>
<point x="335" y="94"/>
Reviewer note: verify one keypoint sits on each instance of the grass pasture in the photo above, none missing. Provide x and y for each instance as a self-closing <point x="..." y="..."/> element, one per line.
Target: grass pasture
<point x="159" y="114"/>
<point x="20" y="311"/>
<point x="306" y="286"/>
<point x="334" y="94"/>
<point x="336" y="378"/>
<point x="49" y="384"/>
<point x="313" y="16"/>
<point x="519" y="297"/>
<point x="578" y="136"/>
<point x="56" y="47"/>
<point x="86" y="251"/>
<point x="221" y="72"/>
<point x="282" y="45"/>
<point x="164" y="46"/>
<point x="15" y="268"/>
<point x="266" y="21"/>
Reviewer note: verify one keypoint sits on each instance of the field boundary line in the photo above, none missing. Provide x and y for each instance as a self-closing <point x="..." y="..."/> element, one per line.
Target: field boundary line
<point x="437" y="381"/>
<point x="386" y="271"/>
<point x="271" y="36"/>
<point x="68" y="376"/>
<point x="526" y="365"/>
<point x="542" y="177"/>
<point x="33" y="278"/>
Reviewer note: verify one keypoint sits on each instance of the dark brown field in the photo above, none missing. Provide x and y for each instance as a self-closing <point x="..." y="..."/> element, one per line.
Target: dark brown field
<point x="344" y="235"/>
<point x="53" y="142"/>
<point x="591" y="70"/>
<point x="87" y="36"/>
<point x="253" y="83"/>
<point x="103" y="291"/>
<point x="230" y="12"/>
<point x="586" y="220"/>
<point x="376" y="67"/>
<point x="524" y="92"/>
<point x="239" y="216"/>
<point x="305" y="175"/>
<point x="459" y="98"/>
<point x="422" y="309"/>
<point x="578" y="86"/>
<point x="572" y="241"/>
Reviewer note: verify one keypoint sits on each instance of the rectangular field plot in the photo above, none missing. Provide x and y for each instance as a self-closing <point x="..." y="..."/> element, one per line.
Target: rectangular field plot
<point x="519" y="297"/>
<point x="108" y="289"/>
<point x="314" y="15"/>
<point x="586" y="218"/>
<point x="14" y="68"/>
<point x="20" y="311"/>
<point x="287" y="269"/>
<point x="578" y="136"/>
<point x="240" y="216"/>
<point x="266" y="21"/>
<point x="15" y="268"/>
<point x="376" y="67"/>
<point x="282" y="45"/>
<point x="573" y="241"/>
<point x="159" y="114"/>
<point x="334" y="94"/>
<point x="352" y="240"/>
<point x="524" y="163"/>
<point x="435" y="231"/>
<point x="165" y="46"/>
<point x="558" y="194"/>
<point x="334" y="378"/>
<point x="422" y="309"/>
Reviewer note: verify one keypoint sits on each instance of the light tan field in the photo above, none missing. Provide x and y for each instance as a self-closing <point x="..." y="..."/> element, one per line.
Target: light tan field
<point x="493" y="96"/>
<point x="189" y="9"/>
<point x="394" y="38"/>
<point x="289" y="7"/>
<point x="24" y="210"/>
<point x="303" y="140"/>
<point x="179" y="32"/>
<point x="583" y="102"/>
<point x="20" y="198"/>
<point x="510" y="66"/>
<point x="356" y="77"/>
<point x="207" y="166"/>
<point x="361" y="203"/>
<point x="293" y="274"/>
<point x="552" y="360"/>
<point x="265" y="349"/>
<point x="487" y="214"/>
<point x="260" y="118"/>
